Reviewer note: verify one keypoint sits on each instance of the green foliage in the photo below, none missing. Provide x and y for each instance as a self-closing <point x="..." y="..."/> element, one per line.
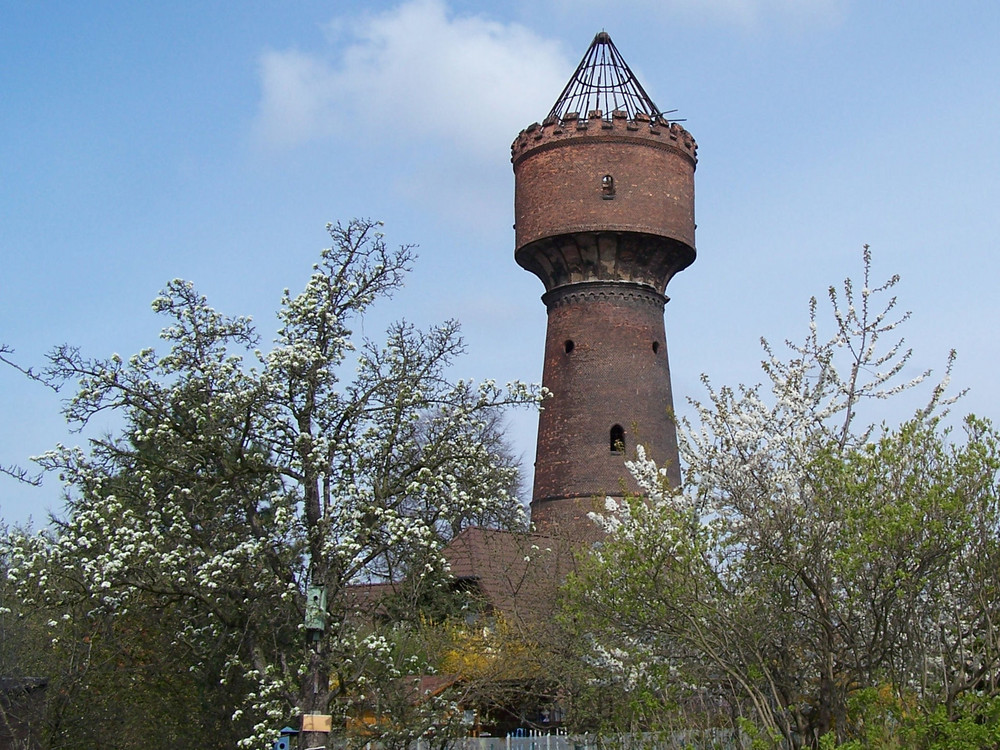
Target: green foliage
<point x="810" y="557"/>
<point x="976" y="725"/>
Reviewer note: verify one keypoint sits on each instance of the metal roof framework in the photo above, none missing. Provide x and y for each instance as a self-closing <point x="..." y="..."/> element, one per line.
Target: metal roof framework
<point x="604" y="82"/>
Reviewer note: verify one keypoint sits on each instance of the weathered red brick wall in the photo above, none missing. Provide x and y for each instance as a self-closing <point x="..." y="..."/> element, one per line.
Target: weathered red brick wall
<point x="605" y="257"/>
<point x="605" y="365"/>
<point x="559" y="171"/>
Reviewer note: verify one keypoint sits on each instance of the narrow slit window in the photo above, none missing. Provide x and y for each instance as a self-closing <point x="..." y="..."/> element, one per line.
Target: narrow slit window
<point x="569" y="346"/>
<point x="617" y="439"/>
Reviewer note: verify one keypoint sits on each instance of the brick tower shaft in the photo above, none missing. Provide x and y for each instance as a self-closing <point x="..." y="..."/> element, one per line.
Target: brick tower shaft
<point x="604" y="209"/>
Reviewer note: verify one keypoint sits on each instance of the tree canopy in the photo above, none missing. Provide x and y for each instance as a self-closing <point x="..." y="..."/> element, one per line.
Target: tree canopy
<point x="819" y="577"/>
<point x="244" y="482"/>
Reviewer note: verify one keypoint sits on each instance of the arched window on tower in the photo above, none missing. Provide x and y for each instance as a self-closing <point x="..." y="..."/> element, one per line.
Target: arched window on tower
<point x="608" y="187"/>
<point x="617" y="439"/>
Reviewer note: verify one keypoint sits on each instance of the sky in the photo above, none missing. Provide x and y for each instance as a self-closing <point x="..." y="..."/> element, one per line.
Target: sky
<point x="211" y="141"/>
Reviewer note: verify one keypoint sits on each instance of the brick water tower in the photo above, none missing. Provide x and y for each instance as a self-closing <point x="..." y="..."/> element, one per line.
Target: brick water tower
<point x="604" y="211"/>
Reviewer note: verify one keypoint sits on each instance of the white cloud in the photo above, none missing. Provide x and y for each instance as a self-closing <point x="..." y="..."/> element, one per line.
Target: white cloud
<point x="296" y="89"/>
<point x="418" y="69"/>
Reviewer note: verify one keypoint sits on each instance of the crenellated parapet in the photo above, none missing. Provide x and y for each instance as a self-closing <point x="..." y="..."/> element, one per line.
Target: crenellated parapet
<point x="577" y="179"/>
<point x="654" y="131"/>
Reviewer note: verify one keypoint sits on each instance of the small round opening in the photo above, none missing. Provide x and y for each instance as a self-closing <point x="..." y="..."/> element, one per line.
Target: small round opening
<point x="569" y="346"/>
<point x="656" y="347"/>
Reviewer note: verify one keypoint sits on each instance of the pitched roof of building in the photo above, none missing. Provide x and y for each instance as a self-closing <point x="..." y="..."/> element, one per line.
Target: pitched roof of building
<point x="518" y="573"/>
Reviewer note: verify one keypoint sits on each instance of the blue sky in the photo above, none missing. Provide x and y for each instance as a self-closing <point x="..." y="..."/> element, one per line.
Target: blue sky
<point x="141" y="142"/>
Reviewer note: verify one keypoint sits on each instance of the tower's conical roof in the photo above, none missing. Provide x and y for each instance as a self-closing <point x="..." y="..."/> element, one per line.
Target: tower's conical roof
<point x="603" y="81"/>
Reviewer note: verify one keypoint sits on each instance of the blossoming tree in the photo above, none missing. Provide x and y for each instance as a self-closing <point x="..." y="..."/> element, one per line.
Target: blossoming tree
<point x="818" y="574"/>
<point x="245" y="483"/>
